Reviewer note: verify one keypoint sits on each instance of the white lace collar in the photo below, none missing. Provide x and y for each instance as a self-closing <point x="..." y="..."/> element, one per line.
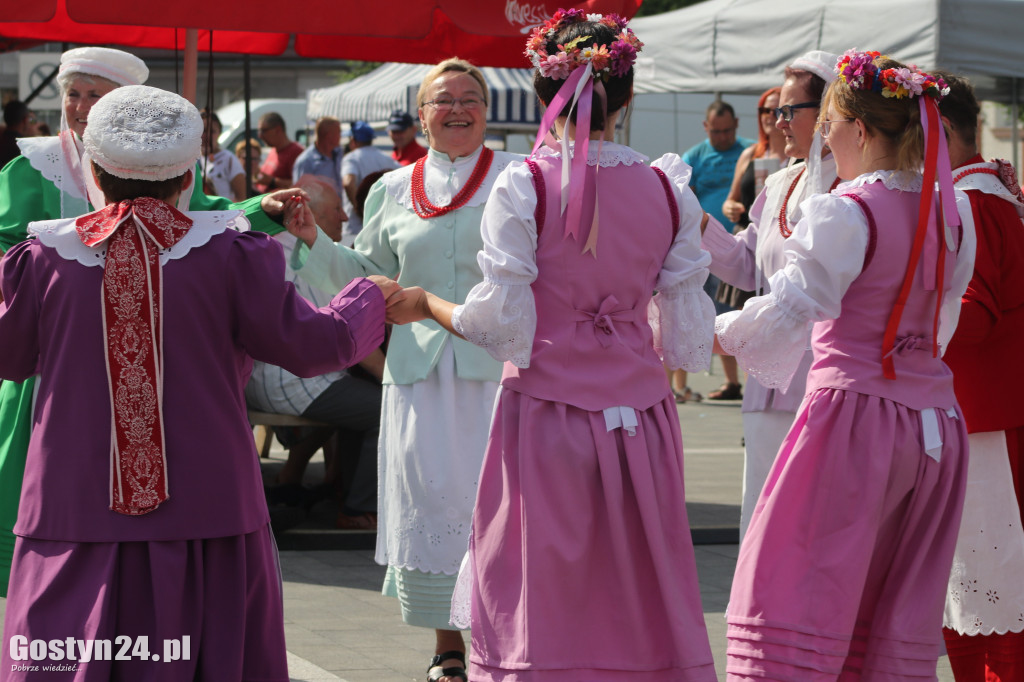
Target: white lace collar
<point x="46" y="156"/>
<point x="443" y="178"/>
<point x="903" y="181"/>
<point x="62" y="236"/>
<point x="611" y="154"/>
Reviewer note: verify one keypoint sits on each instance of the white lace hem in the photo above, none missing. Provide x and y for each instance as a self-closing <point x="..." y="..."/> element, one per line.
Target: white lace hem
<point x="462" y="596"/>
<point x="501" y="319"/>
<point x="62" y="236"/>
<point x="682" y="318"/>
<point x="767" y="341"/>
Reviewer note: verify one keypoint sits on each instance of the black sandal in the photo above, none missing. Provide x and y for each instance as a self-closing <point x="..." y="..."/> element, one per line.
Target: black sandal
<point x="436" y="672"/>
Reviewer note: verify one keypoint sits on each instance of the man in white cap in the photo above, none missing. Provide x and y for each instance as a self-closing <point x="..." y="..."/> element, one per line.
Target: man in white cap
<point x="51" y="180"/>
<point x="142" y="514"/>
<point x="746" y="260"/>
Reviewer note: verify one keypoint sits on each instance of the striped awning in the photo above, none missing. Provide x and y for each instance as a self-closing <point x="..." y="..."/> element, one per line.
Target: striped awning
<point x="374" y="96"/>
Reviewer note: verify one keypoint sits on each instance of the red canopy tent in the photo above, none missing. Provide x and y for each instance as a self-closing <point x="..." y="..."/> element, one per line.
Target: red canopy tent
<point x="486" y="32"/>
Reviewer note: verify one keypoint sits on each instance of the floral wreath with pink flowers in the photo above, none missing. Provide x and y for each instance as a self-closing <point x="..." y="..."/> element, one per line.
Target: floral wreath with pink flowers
<point x="606" y="60"/>
<point x="859" y="71"/>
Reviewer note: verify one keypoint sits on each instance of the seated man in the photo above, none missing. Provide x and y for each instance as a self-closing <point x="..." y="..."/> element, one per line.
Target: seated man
<point x="142" y="513"/>
<point x="347" y="400"/>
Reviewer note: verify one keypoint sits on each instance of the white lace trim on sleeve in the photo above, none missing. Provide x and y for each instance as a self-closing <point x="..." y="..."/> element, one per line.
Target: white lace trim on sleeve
<point x="682" y="318"/>
<point x="766" y="340"/>
<point x="501" y="319"/>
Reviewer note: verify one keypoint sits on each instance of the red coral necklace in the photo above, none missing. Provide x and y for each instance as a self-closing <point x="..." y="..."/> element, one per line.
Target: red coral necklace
<point x="421" y="204"/>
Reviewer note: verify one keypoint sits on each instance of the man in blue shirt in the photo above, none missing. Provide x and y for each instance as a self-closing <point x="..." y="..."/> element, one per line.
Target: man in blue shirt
<point x="324" y="157"/>
<point x="714" y="163"/>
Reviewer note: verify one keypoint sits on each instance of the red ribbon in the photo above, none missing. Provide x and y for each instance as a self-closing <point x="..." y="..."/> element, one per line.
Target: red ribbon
<point x="134" y="232"/>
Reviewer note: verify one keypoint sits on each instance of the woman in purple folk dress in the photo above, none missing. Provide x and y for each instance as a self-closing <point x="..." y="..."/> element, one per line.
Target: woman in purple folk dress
<point x="142" y="519"/>
<point x="843" y="570"/>
<point x="581" y="565"/>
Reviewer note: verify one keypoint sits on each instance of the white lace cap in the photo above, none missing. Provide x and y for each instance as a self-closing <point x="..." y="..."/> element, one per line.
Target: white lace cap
<point x="144" y="133"/>
<point x="818" y="62"/>
<point x="114" y="65"/>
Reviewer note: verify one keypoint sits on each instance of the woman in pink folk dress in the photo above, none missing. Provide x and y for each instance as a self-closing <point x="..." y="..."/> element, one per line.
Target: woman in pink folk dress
<point x="843" y="571"/>
<point x="581" y="562"/>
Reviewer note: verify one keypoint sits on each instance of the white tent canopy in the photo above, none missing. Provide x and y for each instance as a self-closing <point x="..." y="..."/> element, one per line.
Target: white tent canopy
<point x="374" y="96"/>
<point x="743" y="46"/>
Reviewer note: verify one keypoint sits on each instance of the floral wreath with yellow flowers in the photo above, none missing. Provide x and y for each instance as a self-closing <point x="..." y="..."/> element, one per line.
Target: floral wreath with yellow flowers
<point x="607" y="60"/>
<point x="859" y="71"/>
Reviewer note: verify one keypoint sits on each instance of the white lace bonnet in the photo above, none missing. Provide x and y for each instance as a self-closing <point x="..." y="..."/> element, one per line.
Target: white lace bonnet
<point x="823" y="65"/>
<point x="114" y="65"/>
<point x="144" y="133"/>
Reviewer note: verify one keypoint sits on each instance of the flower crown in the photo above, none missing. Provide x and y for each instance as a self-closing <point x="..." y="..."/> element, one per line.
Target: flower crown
<point x="859" y="72"/>
<point x="615" y="59"/>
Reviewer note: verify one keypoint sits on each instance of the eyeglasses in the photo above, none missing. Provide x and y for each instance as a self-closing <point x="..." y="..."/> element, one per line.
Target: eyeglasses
<point x="826" y="126"/>
<point x="448" y="103"/>
<point x="786" y="112"/>
<point x="761" y="111"/>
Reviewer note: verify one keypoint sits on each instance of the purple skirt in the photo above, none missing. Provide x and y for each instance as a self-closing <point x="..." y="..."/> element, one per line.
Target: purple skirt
<point x="583" y="564"/>
<point x="843" y="571"/>
<point x="223" y="594"/>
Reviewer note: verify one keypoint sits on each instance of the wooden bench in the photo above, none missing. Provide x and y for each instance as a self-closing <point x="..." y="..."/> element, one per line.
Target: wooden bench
<point x="264" y="435"/>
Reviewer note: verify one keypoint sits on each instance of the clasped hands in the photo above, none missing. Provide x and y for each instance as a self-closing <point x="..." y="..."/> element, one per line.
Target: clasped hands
<point x="404" y="304"/>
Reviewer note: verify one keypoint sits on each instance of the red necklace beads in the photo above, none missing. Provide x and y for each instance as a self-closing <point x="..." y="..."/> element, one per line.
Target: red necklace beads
<point x="783" y="226"/>
<point x="421" y="204"/>
<point x="972" y="171"/>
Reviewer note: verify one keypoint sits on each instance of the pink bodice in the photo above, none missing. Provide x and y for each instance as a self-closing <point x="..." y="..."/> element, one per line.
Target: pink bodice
<point x="593" y="346"/>
<point x="848" y="350"/>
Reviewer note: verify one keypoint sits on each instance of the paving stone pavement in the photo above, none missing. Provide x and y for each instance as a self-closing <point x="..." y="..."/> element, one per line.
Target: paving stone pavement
<point x="339" y="627"/>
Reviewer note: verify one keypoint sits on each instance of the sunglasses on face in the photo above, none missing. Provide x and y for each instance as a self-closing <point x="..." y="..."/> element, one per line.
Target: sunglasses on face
<point x="786" y="112"/>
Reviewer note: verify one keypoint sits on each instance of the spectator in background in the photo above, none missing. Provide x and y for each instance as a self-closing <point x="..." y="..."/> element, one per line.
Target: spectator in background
<point x="324" y="157"/>
<point x="221" y="168"/>
<point x="19" y="122"/>
<point x="402" y="130"/>
<point x="347" y="399"/>
<point x="756" y="162"/>
<point x="362" y="159"/>
<point x="276" y="171"/>
<point x="714" y="164"/>
<point x="250" y="159"/>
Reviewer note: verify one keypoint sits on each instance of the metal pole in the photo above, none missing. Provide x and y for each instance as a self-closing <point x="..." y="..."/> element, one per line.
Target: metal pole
<point x="191" y="70"/>
<point x="1015" y="124"/>
<point x="247" y="88"/>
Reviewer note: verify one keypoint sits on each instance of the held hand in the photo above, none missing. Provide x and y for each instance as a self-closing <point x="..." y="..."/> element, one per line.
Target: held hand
<point x="273" y="204"/>
<point x="408" y="305"/>
<point x="733" y="210"/>
<point x="388" y="287"/>
<point x="298" y="218"/>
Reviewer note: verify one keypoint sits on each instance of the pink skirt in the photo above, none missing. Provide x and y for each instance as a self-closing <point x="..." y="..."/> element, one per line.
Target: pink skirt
<point x="843" y="572"/>
<point x="223" y="594"/>
<point x="583" y="564"/>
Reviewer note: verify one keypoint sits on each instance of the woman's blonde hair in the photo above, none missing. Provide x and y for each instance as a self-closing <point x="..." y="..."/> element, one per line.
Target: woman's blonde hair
<point x="897" y="120"/>
<point x="447" y="66"/>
